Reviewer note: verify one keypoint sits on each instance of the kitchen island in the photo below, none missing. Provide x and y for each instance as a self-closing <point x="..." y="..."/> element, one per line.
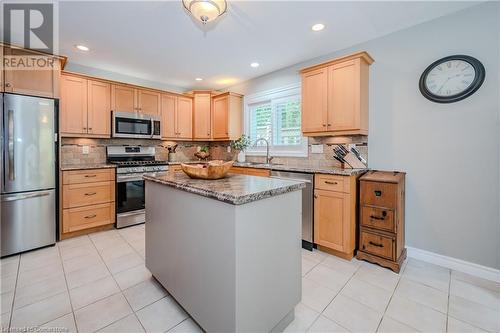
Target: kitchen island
<point x="228" y="250"/>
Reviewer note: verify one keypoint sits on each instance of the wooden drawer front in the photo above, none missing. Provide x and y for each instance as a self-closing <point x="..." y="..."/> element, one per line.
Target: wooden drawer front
<point x="379" y="194"/>
<point x="378" y="218"/>
<point x="331" y="183"/>
<point x="175" y="168"/>
<point x="88" y="176"/>
<point x="75" y="219"/>
<point x="88" y="194"/>
<point x="251" y="171"/>
<point x="378" y="245"/>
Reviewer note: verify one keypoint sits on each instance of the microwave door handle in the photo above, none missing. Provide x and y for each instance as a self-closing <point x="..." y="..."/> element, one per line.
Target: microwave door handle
<point x="10" y="144"/>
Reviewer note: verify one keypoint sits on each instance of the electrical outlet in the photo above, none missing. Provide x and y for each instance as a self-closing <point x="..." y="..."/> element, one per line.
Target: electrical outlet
<point x="85" y="150"/>
<point x="317" y="149"/>
<point x="228" y="149"/>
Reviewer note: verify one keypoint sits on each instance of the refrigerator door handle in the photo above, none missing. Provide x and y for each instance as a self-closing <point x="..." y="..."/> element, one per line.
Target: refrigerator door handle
<point x="10" y="144"/>
<point x="24" y="196"/>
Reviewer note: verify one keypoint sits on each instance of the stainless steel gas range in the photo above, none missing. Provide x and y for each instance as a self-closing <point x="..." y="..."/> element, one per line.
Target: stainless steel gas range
<point x="132" y="162"/>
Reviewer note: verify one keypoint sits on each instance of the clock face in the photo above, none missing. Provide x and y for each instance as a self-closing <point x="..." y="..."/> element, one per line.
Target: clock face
<point x="450" y="78"/>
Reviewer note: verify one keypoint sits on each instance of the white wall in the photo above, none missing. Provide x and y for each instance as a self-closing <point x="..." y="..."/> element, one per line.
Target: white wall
<point x="450" y="152"/>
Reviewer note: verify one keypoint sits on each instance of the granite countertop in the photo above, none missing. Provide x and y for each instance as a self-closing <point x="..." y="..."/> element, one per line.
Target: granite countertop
<point x="68" y="167"/>
<point x="234" y="189"/>
<point x="307" y="169"/>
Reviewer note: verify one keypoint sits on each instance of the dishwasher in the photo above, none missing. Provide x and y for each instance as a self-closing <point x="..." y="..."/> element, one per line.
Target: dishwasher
<point x="307" y="203"/>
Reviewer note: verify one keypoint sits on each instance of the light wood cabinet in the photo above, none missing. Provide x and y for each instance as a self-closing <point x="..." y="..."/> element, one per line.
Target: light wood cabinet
<point x="73" y="105"/>
<point x="250" y="171"/>
<point x="335" y="96"/>
<point x="335" y="214"/>
<point x="36" y="82"/>
<point x="129" y="99"/>
<point x="148" y="102"/>
<point x="85" y="107"/>
<point x="123" y="98"/>
<point x="87" y="201"/>
<point x="202" y="119"/>
<point x="227" y="116"/>
<point x="184" y="117"/>
<point x="99" y="108"/>
<point x="176" y="117"/>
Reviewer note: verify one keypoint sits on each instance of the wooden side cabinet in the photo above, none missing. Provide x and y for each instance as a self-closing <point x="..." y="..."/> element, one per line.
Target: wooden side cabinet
<point x="87" y="201"/>
<point x="335" y="97"/>
<point x="382" y="206"/>
<point x="335" y="214"/>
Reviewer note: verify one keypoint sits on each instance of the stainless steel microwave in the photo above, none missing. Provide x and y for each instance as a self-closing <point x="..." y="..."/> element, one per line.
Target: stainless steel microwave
<point x="135" y="125"/>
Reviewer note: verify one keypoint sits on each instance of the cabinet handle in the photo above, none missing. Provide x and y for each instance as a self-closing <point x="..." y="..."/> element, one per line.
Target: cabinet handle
<point x="377" y="218"/>
<point x="315" y="196"/>
<point x="324" y="125"/>
<point x="331" y="183"/>
<point x="90" y="216"/>
<point x="378" y="193"/>
<point x="7" y="84"/>
<point x="90" y="176"/>
<point x="329" y="124"/>
<point x="375" y="244"/>
<point x="91" y="193"/>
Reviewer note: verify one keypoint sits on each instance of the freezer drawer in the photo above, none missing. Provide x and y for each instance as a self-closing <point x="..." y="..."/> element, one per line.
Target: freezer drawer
<point x="28" y="221"/>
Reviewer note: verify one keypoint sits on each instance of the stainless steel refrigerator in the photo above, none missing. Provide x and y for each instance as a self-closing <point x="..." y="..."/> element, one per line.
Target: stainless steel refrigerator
<point x="28" y="177"/>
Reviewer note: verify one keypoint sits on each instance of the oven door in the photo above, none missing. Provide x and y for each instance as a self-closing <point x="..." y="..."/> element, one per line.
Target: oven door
<point x="131" y="125"/>
<point x="130" y="201"/>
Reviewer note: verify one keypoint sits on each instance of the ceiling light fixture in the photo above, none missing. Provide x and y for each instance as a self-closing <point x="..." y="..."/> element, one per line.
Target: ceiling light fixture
<point x="82" y="48"/>
<point x="318" y="27"/>
<point x="205" y="10"/>
<point x="199" y="79"/>
<point x="254" y="64"/>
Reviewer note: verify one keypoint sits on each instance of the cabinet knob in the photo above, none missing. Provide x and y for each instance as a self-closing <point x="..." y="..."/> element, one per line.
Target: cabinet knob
<point x="315" y="196"/>
<point x="7" y="84"/>
<point x="329" y="124"/>
<point x="324" y="125"/>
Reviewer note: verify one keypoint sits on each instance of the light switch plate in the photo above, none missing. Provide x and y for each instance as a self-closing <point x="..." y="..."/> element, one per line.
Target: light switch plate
<point x="85" y="150"/>
<point x="317" y="149"/>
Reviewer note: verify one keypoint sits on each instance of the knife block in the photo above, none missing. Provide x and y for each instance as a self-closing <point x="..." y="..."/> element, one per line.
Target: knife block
<point x="354" y="162"/>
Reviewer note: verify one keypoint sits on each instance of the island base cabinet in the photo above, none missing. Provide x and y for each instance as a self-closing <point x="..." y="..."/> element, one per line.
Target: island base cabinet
<point x="220" y="261"/>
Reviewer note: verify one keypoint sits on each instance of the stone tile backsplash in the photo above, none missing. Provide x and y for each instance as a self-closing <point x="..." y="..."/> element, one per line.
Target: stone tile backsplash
<point x="72" y="151"/>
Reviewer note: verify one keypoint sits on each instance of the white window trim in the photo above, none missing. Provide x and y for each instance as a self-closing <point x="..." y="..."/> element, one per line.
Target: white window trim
<point x="264" y="96"/>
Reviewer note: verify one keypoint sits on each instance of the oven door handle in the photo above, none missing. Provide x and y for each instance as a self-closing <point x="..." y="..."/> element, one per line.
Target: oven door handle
<point x="124" y="179"/>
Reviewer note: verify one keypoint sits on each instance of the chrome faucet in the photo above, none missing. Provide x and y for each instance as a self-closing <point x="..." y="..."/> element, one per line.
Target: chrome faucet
<point x="268" y="158"/>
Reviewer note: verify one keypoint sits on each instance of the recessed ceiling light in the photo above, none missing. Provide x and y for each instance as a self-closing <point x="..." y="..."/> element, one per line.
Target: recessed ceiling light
<point x="82" y="48"/>
<point x="199" y="79"/>
<point x="318" y="27"/>
<point x="254" y="64"/>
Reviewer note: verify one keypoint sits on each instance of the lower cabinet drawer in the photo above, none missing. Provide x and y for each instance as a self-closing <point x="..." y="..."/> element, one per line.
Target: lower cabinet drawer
<point x="379" y="245"/>
<point x="378" y="218"/>
<point x="75" y="219"/>
<point x="331" y="183"/>
<point x="78" y="195"/>
<point x="251" y="171"/>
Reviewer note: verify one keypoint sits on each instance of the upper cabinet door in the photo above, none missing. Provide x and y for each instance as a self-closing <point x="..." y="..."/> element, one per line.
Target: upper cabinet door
<point x="37" y="82"/>
<point x="201" y="115"/>
<point x="220" y="118"/>
<point x="99" y="108"/>
<point x="73" y="105"/>
<point x="168" y="111"/>
<point x="148" y="102"/>
<point x="184" y="118"/>
<point x="314" y="100"/>
<point x="123" y="98"/>
<point x="344" y="96"/>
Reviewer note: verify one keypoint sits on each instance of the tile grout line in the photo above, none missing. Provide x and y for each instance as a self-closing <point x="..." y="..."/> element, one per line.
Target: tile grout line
<point x="14" y="295"/>
<point x="338" y="293"/>
<point x="448" y="303"/>
<point x="67" y="287"/>
<point x="119" y="292"/>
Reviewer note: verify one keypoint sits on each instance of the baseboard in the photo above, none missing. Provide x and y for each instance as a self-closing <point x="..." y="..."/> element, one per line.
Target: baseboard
<point x="484" y="272"/>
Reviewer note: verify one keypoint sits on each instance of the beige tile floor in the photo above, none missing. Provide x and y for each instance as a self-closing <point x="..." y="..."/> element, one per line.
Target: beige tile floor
<point x="99" y="283"/>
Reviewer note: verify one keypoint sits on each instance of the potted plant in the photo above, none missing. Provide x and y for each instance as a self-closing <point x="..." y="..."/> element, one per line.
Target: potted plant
<point x="240" y="145"/>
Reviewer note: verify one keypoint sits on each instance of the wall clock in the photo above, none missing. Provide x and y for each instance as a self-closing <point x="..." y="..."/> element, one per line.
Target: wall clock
<point x="452" y="79"/>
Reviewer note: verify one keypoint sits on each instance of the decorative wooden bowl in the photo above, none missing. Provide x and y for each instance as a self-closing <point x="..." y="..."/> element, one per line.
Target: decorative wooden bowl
<point x="211" y="170"/>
